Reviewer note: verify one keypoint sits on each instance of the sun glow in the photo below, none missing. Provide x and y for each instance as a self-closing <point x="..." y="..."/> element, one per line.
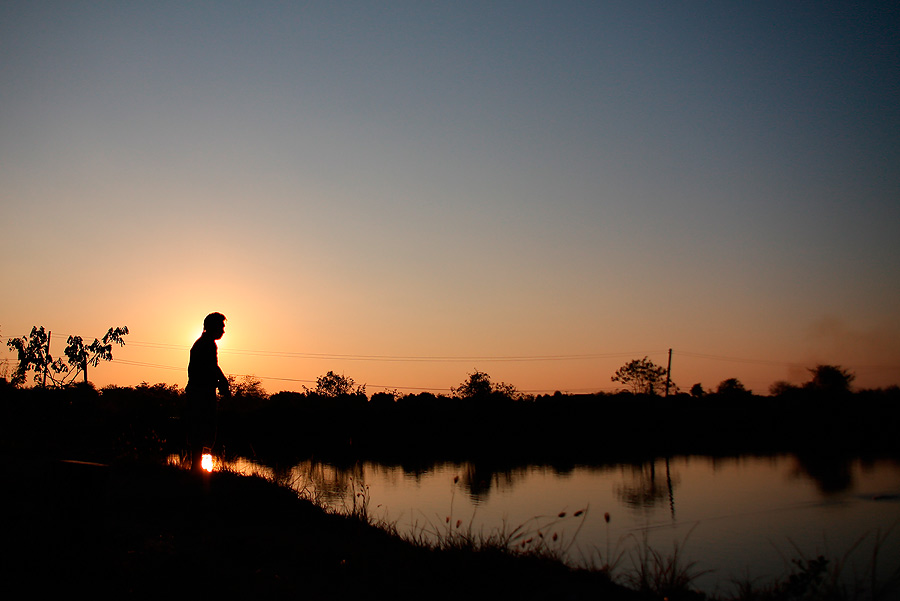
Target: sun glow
<point x="207" y="462"/>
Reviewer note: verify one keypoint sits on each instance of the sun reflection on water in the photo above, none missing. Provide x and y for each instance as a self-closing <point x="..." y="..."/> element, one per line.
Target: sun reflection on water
<point x="208" y="462"/>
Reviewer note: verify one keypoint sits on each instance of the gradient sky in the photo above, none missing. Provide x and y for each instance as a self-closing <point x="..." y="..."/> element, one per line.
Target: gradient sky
<point x="408" y="191"/>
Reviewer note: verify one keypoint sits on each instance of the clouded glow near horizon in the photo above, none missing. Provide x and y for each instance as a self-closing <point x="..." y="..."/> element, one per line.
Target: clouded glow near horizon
<point x="376" y="182"/>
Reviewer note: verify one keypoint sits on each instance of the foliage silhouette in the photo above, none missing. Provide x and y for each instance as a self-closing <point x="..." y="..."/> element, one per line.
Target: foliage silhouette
<point x="247" y="388"/>
<point x="642" y="376"/>
<point x="560" y="429"/>
<point x="421" y="429"/>
<point x="731" y="388"/>
<point x="479" y="386"/>
<point x="34" y="355"/>
<point x="332" y="385"/>
<point x="830" y="379"/>
<point x="80" y="356"/>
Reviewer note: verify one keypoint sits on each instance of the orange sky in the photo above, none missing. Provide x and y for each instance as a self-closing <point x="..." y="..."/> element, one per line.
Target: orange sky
<point x="596" y="182"/>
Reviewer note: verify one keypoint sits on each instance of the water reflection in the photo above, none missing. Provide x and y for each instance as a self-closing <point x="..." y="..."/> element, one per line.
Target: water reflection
<point x="645" y="489"/>
<point x="206" y="462"/>
<point x="737" y="510"/>
<point x="478" y="480"/>
<point x="831" y="474"/>
<point x="642" y="486"/>
<point x="333" y="485"/>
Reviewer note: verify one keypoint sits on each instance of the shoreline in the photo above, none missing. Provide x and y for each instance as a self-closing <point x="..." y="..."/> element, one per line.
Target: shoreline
<point x="141" y="531"/>
<point x="119" y="524"/>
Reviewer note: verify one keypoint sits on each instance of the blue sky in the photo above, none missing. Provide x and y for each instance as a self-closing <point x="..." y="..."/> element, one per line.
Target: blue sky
<point x="472" y="180"/>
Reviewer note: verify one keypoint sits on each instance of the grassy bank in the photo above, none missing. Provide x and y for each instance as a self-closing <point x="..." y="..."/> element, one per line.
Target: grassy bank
<point x="139" y="530"/>
<point x="135" y="529"/>
<point x="142" y="531"/>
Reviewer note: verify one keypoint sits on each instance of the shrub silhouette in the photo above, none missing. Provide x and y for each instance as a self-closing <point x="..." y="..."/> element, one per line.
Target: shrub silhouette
<point x="334" y="385"/>
<point x="732" y="388"/>
<point x="642" y="376"/>
<point x="830" y="379"/>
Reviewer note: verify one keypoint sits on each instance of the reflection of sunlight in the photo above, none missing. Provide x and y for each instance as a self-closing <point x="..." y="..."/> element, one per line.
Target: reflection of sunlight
<point x="207" y="462"/>
<point x="247" y="467"/>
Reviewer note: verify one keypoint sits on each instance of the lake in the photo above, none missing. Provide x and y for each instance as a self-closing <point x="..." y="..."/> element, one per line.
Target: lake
<point x="734" y="517"/>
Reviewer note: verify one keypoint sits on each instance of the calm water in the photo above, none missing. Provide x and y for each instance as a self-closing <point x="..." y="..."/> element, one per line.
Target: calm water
<point x="738" y="517"/>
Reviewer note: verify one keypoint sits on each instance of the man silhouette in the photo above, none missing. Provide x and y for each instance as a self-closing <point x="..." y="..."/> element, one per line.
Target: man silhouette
<point x="204" y="377"/>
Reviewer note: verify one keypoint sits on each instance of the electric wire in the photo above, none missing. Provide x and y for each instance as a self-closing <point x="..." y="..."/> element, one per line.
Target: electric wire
<point x="305" y="355"/>
<point x="402" y="358"/>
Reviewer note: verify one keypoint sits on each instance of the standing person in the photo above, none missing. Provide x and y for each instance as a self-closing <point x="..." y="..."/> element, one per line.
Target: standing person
<point x="204" y="377"/>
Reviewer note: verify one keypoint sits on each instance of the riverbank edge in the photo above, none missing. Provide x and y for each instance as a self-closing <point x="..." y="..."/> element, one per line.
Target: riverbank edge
<point x="142" y="530"/>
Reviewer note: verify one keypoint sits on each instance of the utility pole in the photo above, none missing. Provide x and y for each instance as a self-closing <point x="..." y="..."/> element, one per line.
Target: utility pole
<point x="669" y="373"/>
<point x="46" y="364"/>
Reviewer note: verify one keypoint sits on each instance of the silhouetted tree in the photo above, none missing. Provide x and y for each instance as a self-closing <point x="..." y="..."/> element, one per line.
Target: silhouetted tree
<point x="731" y="387"/>
<point x="697" y="390"/>
<point x="334" y="385"/>
<point x="34" y="354"/>
<point x="830" y="379"/>
<point x="247" y="387"/>
<point x="479" y="385"/>
<point x="80" y="356"/>
<point x="383" y="400"/>
<point x="642" y="376"/>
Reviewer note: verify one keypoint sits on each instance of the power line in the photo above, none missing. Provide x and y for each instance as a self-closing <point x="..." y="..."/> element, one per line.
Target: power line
<point x="142" y="364"/>
<point x="464" y="358"/>
<point x="403" y="358"/>
<point x="276" y="378"/>
<point x="381" y="386"/>
<point x="448" y="359"/>
<point x="409" y="358"/>
<point x="738" y="359"/>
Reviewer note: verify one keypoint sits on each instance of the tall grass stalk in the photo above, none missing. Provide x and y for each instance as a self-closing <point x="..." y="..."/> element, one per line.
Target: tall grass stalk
<point x="541" y="536"/>
<point x="358" y="507"/>
<point x="660" y="574"/>
<point x="830" y="578"/>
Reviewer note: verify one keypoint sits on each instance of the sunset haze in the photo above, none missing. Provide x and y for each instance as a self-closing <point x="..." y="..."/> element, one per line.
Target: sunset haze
<point x="406" y="192"/>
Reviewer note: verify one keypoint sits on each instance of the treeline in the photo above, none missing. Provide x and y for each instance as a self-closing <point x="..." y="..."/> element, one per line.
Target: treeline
<point x="596" y="427"/>
<point x="486" y="423"/>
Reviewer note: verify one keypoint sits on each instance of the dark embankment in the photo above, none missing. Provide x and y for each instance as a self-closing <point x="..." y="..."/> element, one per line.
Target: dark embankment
<point x="145" y="422"/>
<point x="134" y="528"/>
<point x="562" y="429"/>
<point x="143" y="531"/>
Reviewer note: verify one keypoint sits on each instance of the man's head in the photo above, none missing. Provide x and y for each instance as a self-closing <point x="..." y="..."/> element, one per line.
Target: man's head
<point x="214" y="325"/>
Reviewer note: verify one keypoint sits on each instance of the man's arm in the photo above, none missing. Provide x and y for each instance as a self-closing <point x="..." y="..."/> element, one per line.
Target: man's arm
<point x="223" y="386"/>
